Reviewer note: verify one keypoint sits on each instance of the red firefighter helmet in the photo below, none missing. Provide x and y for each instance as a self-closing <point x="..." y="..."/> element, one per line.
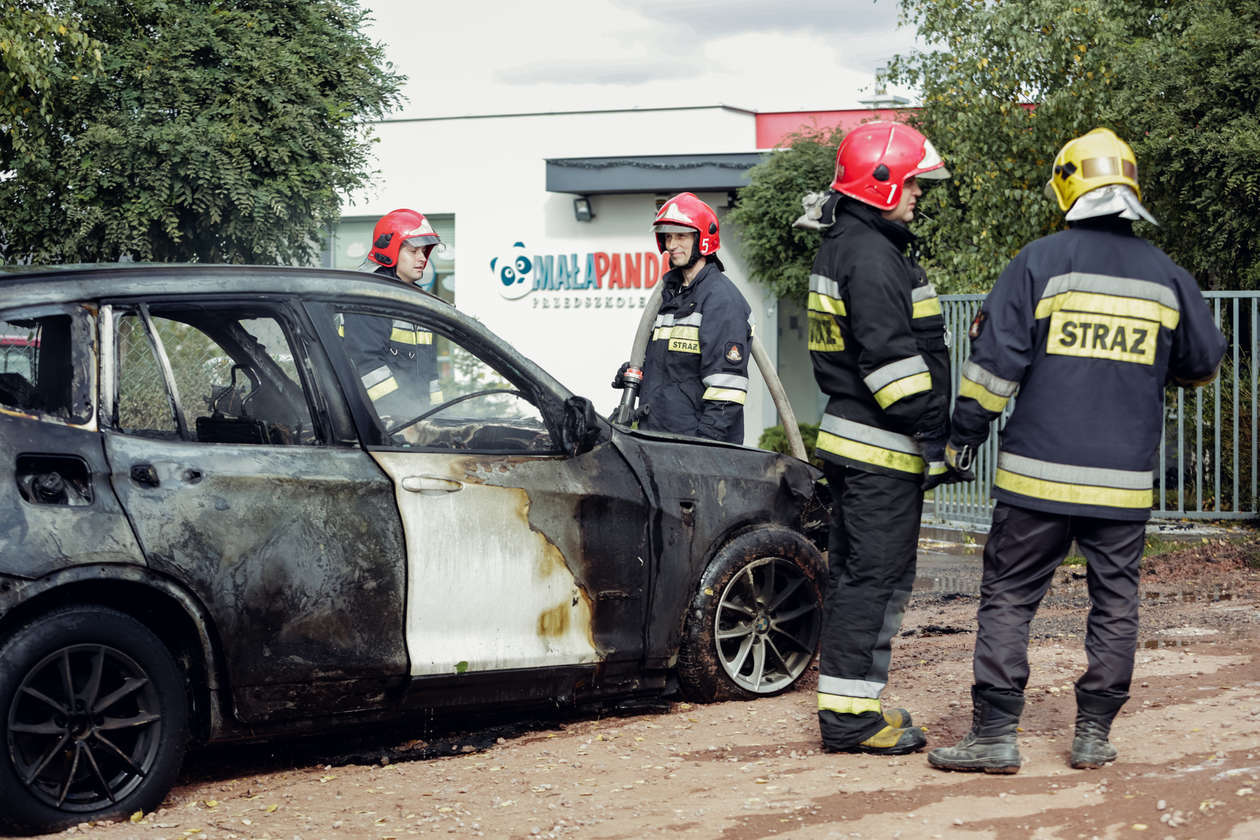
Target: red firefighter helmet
<point x="397" y="227"/>
<point x="684" y="213"/>
<point x="876" y="158"/>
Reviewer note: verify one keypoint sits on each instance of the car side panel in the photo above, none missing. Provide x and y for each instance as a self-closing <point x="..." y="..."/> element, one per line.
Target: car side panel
<point x="297" y="554"/>
<point x="521" y="562"/>
<point x="703" y="494"/>
<point x="38" y="538"/>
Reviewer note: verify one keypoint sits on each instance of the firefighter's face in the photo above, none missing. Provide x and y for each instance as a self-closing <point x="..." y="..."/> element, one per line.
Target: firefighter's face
<point x="904" y="211"/>
<point x="679" y="246"/>
<point x="411" y="262"/>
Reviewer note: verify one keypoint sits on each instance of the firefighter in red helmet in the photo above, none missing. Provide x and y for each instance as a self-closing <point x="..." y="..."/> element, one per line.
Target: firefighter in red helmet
<point x="878" y="345"/>
<point x="695" y="372"/>
<point x="396" y="360"/>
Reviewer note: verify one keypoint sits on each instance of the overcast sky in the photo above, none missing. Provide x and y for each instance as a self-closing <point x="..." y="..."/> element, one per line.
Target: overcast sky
<point x="512" y="56"/>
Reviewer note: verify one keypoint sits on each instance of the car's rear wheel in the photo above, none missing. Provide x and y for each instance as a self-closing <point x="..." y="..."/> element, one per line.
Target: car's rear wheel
<point x="752" y="628"/>
<point x="95" y="719"/>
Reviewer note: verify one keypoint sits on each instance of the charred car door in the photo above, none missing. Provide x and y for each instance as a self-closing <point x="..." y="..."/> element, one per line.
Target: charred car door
<point x="244" y="482"/>
<point x="57" y="505"/>
<point x="520" y="556"/>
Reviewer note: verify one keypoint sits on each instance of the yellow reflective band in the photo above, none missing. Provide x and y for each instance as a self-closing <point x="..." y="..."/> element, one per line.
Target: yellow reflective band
<point x="382" y="388"/>
<point x="1102" y="337"/>
<point x="684" y="345"/>
<point x="341" y="330"/>
<point x="725" y="395"/>
<point x="926" y="308"/>
<point x="848" y="705"/>
<point x="824" y="333"/>
<point x="1090" y="303"/>
<point x="1076" y="494"/>
<point x="868" y="454"/>
<point x="398" y="335"/>
<point x="824" y="303"/>
<point x="987" y="399"/>
<point x="937" y="468"/>
<point x="893" y="391"/>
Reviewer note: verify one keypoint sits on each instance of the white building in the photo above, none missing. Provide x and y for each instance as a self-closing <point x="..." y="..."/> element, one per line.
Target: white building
<point x="509" y="195"/>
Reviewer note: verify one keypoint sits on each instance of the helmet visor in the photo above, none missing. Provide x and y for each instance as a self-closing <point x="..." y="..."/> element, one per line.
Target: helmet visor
<point x="931" y="166"/>
<point x="421" y="241"/>
<point x="663" y="228"/>
<point x="1106" y="167"/>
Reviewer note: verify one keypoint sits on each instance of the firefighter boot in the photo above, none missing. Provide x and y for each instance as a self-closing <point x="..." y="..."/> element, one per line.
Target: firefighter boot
<point x="893" y="740"/>
<point x="990" y="745"/>
<point x="1094" y="714"/>
<point x="898" y="718"/>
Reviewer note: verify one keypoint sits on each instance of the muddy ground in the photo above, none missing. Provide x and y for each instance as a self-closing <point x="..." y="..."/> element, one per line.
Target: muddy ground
<point x="1189" y="743"/>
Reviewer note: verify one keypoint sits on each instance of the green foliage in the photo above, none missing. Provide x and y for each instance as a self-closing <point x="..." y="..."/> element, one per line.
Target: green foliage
<point x="1175" y="79"/>
<point x="989" y="62"/>
<point x="1190" y="109"/>
<point x="35" y="41"/>
<point x="1005" y="85"/>
<point x="774" y="438"/>
<point x="220" y="131"/>
<point x="779" y="255"/>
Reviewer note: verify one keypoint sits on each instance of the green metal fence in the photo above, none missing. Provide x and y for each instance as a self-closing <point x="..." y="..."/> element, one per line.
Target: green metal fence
<point x="1207" y="467"/>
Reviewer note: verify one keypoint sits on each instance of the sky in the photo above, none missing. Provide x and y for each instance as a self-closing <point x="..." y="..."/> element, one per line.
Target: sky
<point x="520" y="56"/>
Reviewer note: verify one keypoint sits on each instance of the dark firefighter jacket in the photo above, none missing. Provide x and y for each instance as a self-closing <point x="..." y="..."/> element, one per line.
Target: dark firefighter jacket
<point x="877" y="342"/>
<point x="395" y="360"/>
<point x="695" y="372"/>
<point x="1087" y="325"/>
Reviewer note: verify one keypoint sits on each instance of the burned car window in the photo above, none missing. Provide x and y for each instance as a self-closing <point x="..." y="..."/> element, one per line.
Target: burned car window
<point x="233" y="378"/>
<point x="38" y="373"/>
<point x="428" y="391"/>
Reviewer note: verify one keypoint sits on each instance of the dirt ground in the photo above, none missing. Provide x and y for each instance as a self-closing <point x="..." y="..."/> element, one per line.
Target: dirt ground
<point x="1189" y="742"/>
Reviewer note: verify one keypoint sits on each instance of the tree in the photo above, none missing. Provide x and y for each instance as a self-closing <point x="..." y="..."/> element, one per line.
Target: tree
<point x="219" y="131"/>
<point x="1192" y="111"/>
<point x="1008" y="84"/>
<point x="1005" y="85"/>
<point x="779" y="255"/>
<point x="34" y="41"/>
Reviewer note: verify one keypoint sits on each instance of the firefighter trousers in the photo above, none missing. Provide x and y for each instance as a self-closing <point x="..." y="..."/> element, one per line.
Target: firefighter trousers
<point x="871" y="558"/>
<point x="1023" y="550"/>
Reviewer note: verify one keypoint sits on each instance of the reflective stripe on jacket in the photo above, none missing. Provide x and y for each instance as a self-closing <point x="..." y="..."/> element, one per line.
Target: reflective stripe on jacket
<point x="1086" y="326"/>
<point x="877" y="343"/>
<point x="695" y="372"/>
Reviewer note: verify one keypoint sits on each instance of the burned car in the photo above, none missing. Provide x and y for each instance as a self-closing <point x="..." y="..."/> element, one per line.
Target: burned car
<point x="211" y="530"/>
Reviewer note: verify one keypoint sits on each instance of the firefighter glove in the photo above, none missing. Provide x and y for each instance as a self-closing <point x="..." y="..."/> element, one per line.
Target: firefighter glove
<point x="960" y="458"/>
<point x="619" y="381"/>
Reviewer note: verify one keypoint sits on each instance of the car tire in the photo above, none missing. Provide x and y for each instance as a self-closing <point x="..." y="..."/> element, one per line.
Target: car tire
<point x="753" y="627"/>
<point x="95" y="719"/>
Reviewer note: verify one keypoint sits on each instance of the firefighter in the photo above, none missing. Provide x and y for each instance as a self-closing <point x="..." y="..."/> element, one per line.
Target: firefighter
<point x="396" y="360"/>
<point x="1088" y="325"/>
<point x="695" y="372"/>
<point x="879" y="350"/>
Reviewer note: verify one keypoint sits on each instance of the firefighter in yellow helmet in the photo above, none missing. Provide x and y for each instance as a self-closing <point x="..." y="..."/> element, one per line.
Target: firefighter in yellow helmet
<point x="1087" y="325"/>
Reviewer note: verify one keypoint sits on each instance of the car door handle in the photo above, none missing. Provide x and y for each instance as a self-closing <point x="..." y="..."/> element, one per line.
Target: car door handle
<point x="430" y="484"/>
<point x="144" y="475"/>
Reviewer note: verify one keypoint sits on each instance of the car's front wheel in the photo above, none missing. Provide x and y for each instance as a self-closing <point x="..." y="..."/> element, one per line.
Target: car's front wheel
<point x="752" y="628"/>
<point x="95" y="719"/>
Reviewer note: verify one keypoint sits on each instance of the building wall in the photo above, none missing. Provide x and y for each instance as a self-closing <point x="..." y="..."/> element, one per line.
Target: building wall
<point x="487" y="174"/>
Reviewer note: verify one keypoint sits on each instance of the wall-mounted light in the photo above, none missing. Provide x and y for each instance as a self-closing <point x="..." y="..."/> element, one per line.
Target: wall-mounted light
<point x="582" y="209"/>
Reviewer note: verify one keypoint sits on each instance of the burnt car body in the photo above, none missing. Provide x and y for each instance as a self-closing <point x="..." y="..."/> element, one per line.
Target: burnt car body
<point x="210" y="530"/>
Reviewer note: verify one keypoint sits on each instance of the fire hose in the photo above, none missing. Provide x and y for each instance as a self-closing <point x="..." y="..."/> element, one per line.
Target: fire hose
<point x="633" y="377"/>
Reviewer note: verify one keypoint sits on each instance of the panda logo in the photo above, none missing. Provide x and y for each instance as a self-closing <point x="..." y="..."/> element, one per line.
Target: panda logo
<point x="512" y="273"/>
